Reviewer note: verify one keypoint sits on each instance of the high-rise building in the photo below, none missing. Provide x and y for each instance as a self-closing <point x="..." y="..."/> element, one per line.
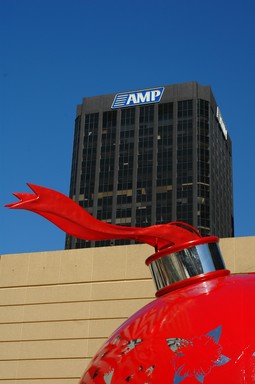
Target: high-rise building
<point x="153" y="156"/>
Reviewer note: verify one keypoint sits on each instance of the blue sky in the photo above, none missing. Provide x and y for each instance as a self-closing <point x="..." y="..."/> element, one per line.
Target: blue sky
<point x="55" y="52"/>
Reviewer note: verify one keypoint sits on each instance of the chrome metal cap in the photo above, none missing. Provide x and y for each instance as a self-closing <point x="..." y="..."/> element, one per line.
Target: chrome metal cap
<point x="169" y="267"/>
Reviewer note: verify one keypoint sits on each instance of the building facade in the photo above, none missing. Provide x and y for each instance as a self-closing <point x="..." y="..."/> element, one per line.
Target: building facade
<point x="153" y="156"/>
<point x="58" y="308"/>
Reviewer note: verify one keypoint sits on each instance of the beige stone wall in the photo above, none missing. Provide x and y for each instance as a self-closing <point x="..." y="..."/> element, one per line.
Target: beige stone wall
<point x="239" y="253"/>
<point x="57" y="308"/>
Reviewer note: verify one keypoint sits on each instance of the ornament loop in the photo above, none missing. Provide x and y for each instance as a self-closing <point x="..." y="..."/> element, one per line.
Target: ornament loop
<point x="196" y="260"/>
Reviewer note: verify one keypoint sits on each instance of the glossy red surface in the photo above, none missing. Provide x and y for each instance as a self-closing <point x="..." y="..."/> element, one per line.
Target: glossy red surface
<point x="201" y="333"/>
<point x="201" y="330"/>
<point x="192" y="280"/>
<point x="73" y="219"/>
<point x="179" y="246"/>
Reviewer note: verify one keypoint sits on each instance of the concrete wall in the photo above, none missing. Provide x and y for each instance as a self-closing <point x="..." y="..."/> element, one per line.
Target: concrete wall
<point x="57" y="308"/>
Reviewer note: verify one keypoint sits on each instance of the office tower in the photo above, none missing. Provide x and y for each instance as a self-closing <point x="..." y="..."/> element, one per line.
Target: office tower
<point x="153" y="156"/>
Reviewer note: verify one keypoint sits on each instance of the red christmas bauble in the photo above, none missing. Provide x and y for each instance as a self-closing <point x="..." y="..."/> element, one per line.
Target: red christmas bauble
<point x="201" y="332"/>
<point x="200" y="329"/>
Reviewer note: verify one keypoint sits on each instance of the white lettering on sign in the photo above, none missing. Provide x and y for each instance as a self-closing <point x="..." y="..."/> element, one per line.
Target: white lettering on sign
<point x="139" y="97"/>
<point x="221" y="122"/>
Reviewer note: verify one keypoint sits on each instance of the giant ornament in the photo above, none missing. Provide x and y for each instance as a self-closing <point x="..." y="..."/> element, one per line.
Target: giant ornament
<point x="201" y="326"/>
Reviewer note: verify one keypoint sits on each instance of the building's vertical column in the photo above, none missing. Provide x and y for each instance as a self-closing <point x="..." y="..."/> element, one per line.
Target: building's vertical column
<point x="174" y="161"/>
<point x="135" y="166"/>
<point x="97" y="168"/>
<point x="79" y="158"/>
<point x="116" y="166"/>
<point x="213" y="164"/>
<point x="78" y="169"/>
<point x="154" y="166"/>
<point x="195" y="164"/>
<point x="211" y="172"/>
<point x="231" y="231"/>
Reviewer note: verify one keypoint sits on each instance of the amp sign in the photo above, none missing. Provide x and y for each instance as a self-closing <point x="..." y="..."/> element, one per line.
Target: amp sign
<point x="129" y="99"/>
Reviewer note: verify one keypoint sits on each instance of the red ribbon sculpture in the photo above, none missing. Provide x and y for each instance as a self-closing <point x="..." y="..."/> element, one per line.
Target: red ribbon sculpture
<point x="73" y="219"/>
<point x="200" y="329"/>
